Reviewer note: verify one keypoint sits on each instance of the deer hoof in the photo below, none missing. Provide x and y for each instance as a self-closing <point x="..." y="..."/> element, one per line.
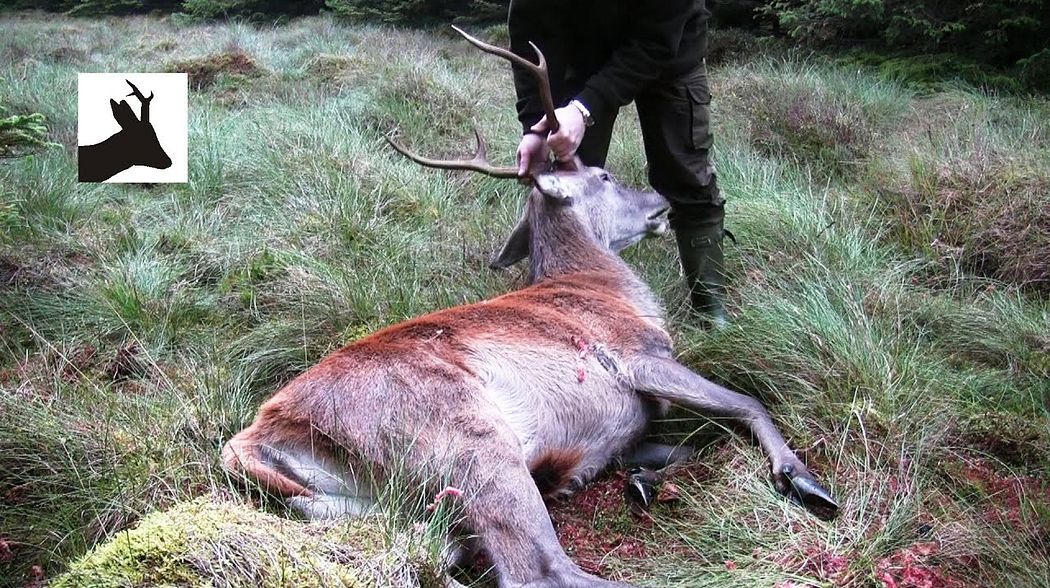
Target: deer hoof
<point x="805" y="490"/>
<point x="641" y="488"/>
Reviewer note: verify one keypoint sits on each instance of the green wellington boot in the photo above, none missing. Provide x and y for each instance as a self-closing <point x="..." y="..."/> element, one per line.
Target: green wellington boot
<point x="700" y="249"/>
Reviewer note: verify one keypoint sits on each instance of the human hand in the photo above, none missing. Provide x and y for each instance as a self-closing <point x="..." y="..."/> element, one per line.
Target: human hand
<point x="566" y="141"/>
<point x="532" y="154"/>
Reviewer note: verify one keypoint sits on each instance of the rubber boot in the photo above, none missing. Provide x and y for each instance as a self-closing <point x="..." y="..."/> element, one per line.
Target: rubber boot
<point x="700" y="249"/>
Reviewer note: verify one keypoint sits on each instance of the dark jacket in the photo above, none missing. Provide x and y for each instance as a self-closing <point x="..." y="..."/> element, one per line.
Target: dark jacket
<point x="604" y="52"/>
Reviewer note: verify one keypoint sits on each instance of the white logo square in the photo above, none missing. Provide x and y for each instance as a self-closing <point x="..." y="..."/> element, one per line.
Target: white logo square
<point x="132" y="127"/>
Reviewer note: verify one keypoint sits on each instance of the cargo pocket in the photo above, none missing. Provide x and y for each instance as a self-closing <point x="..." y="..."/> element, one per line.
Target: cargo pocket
<point x="699" y="114"/>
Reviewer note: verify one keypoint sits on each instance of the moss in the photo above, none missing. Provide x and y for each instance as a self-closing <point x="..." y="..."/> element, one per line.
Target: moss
<point x="20" y="134"/>
<point x="144" y="556"/>
<point x="203" y="544"/>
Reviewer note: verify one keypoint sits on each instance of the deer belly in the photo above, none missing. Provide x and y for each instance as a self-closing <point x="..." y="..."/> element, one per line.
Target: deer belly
<point x="570" y="417"/>
<point x="570" y="448"/>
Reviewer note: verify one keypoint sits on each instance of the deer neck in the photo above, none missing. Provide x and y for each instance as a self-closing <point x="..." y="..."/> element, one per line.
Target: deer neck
<point x="104" y="160"/>
<point x="560" y="245"/>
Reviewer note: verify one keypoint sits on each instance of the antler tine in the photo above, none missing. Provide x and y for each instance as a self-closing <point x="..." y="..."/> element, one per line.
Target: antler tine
<point x="538" y="71"/>
<point x="478" y="163"/>
<point x="142" y="99"/>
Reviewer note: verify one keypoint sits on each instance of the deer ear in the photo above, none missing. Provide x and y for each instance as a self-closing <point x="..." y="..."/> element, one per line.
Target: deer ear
<point x="561" y="186"/>
<point x="516" y="248"/>
<point x="123" y="114"/>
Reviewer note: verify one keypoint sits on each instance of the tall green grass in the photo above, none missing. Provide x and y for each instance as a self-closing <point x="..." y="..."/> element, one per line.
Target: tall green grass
<point x="142" y="325"/>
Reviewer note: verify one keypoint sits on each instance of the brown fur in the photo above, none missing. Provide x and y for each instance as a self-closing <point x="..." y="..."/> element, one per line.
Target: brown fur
<point x="552" y="470"/>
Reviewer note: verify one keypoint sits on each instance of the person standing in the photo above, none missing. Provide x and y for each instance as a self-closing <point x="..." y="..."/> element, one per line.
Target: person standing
<point x="604" y="54"/>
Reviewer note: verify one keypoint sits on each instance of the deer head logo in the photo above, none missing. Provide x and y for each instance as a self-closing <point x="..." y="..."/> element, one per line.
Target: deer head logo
<point x="135" y="144"/>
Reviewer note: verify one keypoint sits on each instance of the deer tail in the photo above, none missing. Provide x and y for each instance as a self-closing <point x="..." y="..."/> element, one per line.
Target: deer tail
<point x="242" y="457"/>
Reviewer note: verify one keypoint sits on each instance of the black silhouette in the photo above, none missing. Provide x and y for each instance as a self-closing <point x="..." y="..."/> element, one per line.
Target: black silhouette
<point x="135" y="144"/>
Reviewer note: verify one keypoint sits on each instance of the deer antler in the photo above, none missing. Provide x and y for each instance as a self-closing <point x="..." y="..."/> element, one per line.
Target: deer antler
<point x="480" y="162"/>
<point x="538" y="71"/>
<point x="142" y="99"/>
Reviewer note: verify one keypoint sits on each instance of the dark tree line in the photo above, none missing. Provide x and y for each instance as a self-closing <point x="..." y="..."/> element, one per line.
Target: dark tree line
<point x="389" y="11"/>
<point x="1004" y="33"/>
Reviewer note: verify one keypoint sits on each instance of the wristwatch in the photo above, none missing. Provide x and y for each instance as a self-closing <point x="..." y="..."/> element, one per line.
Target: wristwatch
<point x="587" y="120"/>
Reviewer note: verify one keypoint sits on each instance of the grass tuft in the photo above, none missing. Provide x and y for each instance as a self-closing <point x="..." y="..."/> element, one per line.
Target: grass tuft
<point x="990" y="215"/>
<point x="826" y="122"/>
<point x="208" y="70"/>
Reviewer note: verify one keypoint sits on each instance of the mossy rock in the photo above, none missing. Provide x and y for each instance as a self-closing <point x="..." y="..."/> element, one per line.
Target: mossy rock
<point x="203" y="544"/>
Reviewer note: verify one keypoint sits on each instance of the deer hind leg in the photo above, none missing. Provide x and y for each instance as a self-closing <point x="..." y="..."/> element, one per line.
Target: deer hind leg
<point x="669" y="380"/>
<point x="310" y="477"/>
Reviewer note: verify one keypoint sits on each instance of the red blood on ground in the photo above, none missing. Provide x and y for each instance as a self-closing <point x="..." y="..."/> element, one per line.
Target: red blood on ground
<point x="36" y="577"/>
<point x="1008" y="492"/>
<point x="594" y="524"/>
<point x="914" y="567"/>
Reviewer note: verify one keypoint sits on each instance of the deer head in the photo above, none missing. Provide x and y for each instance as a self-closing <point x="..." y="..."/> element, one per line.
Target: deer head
<point x="591" y="203"/>
<point x="138" y="134"/>
<point x="584" y="201"/>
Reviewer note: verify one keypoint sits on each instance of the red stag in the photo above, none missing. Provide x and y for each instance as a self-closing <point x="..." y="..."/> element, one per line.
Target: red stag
<point x="556" y="380"/>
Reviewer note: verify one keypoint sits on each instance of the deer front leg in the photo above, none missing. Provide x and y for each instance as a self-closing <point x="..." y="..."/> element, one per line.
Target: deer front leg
<point x="507" y="514"/>
<point x="501" y="506"/>
<point x="669" y="380"/>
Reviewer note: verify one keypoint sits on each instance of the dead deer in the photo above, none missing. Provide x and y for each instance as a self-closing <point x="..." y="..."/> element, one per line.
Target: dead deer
<point x="135" y="143"/>
<point x="553" y="381"/>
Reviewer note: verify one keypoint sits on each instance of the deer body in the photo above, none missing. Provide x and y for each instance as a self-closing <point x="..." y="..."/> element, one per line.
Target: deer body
<point x="508" y="368"/>
<point x="510" y="399"/>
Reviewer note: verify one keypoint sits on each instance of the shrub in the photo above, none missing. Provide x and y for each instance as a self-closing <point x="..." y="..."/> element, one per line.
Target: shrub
<point x="1035" y="71"/>
<point x="932" y="72"/>
<point x="997" y="31"/>
<point x="100" y="7"/>
<point x="419" y="11"/>
<point x="21" y="133"/>
<point x="728" y="46"/>
<point x="53" y="5"/>
<point x="254" y="9"/>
